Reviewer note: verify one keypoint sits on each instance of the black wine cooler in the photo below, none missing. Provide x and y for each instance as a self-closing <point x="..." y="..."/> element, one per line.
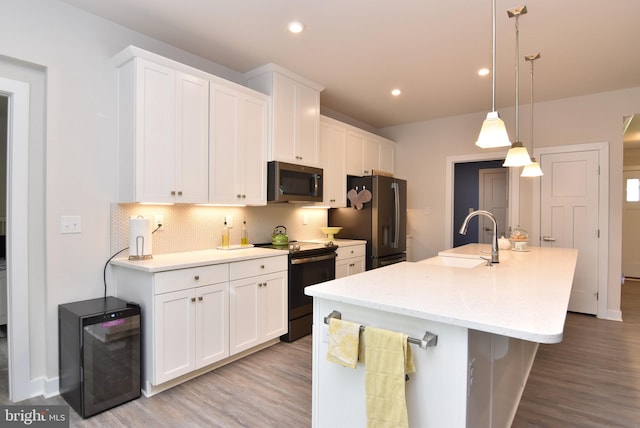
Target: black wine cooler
<point x="99" y="354"/>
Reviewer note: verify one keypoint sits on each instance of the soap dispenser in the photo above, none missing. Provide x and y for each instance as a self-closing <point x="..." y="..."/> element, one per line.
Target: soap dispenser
<point x="244" y="234"/>
<point x="225" y="235"/>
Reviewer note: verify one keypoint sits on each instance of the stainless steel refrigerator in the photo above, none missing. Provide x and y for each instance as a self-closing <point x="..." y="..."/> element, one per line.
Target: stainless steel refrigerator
<point x="382" y="221"/>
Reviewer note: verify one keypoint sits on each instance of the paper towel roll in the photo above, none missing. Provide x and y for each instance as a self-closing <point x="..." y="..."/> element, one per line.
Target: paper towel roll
<point x="140" y="230"/>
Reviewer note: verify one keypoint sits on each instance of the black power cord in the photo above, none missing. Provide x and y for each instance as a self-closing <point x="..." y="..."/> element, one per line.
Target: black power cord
<point x="104" y="271"/>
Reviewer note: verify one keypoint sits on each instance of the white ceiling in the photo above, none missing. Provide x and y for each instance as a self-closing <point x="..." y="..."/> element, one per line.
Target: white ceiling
<point x="360" y="49"/>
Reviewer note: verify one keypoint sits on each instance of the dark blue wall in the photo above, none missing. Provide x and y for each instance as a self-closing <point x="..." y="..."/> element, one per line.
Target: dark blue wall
<point x="465" y="190"/>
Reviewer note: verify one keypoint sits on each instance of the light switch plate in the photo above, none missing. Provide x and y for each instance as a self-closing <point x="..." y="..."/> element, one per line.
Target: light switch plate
<point x="70" y="224"/>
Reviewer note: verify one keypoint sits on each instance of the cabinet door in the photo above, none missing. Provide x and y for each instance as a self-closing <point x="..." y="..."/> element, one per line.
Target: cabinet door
<point x="355" y="151"/>
<point x="155" y="132"/>
<point x="307" y="148"/>
<point x="253" y="158"/>
<point x="370" y="155"/>
<point x="284" y="117"/>
<point x="174" y="335"/>
<point x="355" y="265"/>
<point x="387" y="155"/>
<point x="224" y="125"/>
<point x="273" y="296"/>
<point x="342" y="268"/>
<point x="212" y="324"/>
<point x="333" y="142"/>
<point x="192" y="139"/>
<point x="244" y="306"/>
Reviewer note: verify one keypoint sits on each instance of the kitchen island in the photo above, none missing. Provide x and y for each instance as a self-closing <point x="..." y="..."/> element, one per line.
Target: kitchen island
<point x="488" y="320"/>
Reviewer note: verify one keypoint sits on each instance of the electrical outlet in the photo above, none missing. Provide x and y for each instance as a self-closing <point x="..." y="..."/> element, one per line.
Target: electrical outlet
<point x="159" y="219"/>
<point x="229" y="220"/>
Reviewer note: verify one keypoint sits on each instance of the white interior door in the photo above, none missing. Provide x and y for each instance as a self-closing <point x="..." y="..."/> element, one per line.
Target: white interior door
<point x="569" y="218"/>
<point x="631" y="224"/>
<point x="492" y="197"/>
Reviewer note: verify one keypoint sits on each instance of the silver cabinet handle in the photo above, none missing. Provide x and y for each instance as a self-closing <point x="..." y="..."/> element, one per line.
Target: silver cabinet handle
<point x="549" y="239"/>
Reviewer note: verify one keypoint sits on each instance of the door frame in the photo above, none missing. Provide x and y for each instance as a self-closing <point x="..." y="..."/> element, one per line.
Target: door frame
<point x="513" y="213"/>
<point x="17" y="238"/>
<point x="603" y="217"/>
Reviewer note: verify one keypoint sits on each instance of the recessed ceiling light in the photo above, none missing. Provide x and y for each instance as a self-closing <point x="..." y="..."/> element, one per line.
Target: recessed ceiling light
<point x="396" y="92"/>
<point x="484" y="72"/>
<point x="296" y="26"/>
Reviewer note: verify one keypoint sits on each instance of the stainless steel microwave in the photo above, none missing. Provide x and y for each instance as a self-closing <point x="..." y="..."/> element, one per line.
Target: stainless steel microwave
<point x="288" y="182"/>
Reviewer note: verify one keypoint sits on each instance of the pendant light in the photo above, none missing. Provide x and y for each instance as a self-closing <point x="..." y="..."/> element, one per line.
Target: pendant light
<point x="493" y="132"/>
<point x="517" y="154"/>
<point x="533" y="169"/>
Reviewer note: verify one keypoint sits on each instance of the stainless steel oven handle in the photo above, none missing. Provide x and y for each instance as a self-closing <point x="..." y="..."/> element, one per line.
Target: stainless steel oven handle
<point x="312" y="259"/>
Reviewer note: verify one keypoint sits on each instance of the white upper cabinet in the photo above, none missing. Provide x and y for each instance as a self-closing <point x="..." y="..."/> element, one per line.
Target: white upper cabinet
<point x="163" y="133"/>
<point x="238" y="145"/>
<point x="333" y="145"/>
<point x="367" y="152"/>
<point x="295" y="114"/>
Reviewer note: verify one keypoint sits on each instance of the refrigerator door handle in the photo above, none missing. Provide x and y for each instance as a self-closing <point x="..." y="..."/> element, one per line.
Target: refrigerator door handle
<point x="396" y="232"/>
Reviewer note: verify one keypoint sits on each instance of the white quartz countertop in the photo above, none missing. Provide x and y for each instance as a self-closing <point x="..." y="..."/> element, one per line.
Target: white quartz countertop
<point x="525" y="296"/>
<point x="188" y="259"/>
<point x="342" y="242"/>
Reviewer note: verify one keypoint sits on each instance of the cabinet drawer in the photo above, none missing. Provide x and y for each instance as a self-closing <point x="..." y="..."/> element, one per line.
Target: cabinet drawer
<point x="254" y="267"/>
<point x="182" y="279"/>
<point x="351" y="251"/>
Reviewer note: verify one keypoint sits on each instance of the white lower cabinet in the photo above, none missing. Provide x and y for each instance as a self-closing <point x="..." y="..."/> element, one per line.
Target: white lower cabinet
<point x="192" y="330"/>
<point x="195" y="317"/>
<point x="350" y="260"/>
<point x="257" y="302"/>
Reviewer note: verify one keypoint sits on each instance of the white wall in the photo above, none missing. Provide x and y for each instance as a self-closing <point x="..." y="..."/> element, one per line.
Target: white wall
<point x="72" y="152"/>
<point x="422" y="148"/>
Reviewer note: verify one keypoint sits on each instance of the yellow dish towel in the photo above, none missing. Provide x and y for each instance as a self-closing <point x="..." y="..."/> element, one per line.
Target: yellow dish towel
<point x="344" y="339"/>
<point x="387" y="360"/>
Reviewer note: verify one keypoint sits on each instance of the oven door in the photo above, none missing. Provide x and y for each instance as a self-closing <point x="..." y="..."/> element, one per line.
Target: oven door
<point x="303" y="272"/>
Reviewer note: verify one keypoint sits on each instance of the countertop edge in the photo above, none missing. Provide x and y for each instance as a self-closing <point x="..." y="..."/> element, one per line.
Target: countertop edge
<point x="190" y="259"/>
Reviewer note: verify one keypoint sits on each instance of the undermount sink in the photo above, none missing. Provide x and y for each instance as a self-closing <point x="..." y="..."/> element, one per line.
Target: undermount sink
<point x="457" y="262"/>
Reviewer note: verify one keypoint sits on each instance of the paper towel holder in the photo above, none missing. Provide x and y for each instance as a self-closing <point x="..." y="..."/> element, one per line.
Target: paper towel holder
<point x="140" y="250"/>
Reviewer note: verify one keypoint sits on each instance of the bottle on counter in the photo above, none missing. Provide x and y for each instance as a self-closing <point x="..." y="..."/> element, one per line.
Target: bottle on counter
<point x="244" y="234"/>
<point x="225" y="235"/>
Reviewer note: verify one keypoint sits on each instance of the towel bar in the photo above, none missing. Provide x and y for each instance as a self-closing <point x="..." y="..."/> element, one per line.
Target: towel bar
<point x="429" y="339"/>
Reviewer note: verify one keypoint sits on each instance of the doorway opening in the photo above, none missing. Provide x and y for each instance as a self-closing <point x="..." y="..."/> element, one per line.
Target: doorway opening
<point x="468" y="189"/>
<point x="457" y="189"/>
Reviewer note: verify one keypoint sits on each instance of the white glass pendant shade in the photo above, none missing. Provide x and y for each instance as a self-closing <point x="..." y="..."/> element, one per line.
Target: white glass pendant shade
<point x="517" y="155"/>
<point x="532" y="170"/>
<point x="493" y="132"/>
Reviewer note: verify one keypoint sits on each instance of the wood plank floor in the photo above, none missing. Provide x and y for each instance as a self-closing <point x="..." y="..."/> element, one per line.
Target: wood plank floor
<point x="591" y="379"/>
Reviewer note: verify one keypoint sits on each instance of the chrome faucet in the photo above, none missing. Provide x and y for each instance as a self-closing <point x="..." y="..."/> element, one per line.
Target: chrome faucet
<point x="494" y="239"/>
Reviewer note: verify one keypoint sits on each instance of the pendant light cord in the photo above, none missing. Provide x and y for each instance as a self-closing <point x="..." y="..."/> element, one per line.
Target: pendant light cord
<point x="493" y="65"/>
<point x="517" y="75"/>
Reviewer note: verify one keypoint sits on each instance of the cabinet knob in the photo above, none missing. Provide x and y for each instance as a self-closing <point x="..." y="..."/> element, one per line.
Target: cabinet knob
<point x="352" y="264"/>
<point x="261" y="266"/>
<point x="238" y="196"/>
<point x="173" y="193"/>
<point x="351" y="251"/>
<point x="193" y="299"/>
<point x="200" y="298"/>
<point x="179" y="192"/>
<point x="244" y="196"/>
<point x="196" y="277"/>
